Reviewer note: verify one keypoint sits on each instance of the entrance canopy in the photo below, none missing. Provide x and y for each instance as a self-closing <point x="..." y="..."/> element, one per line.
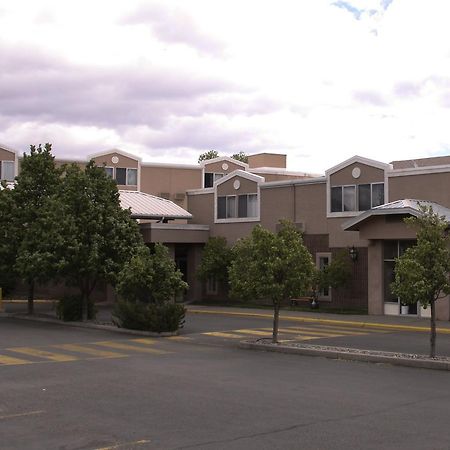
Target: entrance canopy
<point x="146" y="206"/>
<point x="402" y="208"/>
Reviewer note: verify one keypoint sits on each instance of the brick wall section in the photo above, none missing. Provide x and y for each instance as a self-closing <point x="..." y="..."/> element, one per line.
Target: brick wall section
<point x="355" y="295"/>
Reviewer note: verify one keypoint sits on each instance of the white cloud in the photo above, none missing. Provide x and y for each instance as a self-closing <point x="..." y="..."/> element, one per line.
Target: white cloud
<point x="171" y="79"/>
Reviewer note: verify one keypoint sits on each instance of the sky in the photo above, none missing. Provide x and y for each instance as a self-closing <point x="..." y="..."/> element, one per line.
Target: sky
<point x="318" y="80"/>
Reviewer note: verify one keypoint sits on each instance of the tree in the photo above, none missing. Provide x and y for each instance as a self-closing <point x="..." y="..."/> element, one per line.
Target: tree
<point x="34" y="198"/>
<point x="210" y="154"/>
<point x="100" y="236"/>
<point x="240" y="156"/>
<point x="334" y="275"/>
<point x="422" y="272"/>
<point x="216" y="260"/>
<point x="150" y="277"/>
<point x="8" y="244"/>
<point x="271" y="265"/>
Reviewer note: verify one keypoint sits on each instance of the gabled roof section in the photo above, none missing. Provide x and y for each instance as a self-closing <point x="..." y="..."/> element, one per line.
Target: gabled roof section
<point x="224" y="159"/>
<point x="240" y="173"/>
<point x="115" y="150"/>
<point x="360" y="160"/>
<point x="146" y="206"/>
<point x="405" y="206"/>
<point x="8" y="149"/>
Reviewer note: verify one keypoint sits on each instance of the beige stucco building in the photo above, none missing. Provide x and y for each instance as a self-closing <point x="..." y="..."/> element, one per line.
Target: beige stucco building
<point x="356" y="207"/>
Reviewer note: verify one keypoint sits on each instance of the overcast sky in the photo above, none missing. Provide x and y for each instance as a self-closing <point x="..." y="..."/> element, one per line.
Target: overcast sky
<point x="318" y="80"/>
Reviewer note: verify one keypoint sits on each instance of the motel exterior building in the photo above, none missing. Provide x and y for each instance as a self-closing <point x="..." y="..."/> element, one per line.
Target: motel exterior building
<point x="357" y="207"/>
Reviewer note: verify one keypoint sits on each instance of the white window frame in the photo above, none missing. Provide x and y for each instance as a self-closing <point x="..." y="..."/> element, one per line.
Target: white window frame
<point x="215" y="177"/>
<point x="127" y="179"/>
<point x="355" y="211"/>
<point x="319" y="256"/>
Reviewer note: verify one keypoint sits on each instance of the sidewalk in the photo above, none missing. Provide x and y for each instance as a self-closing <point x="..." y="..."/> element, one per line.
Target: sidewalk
<point x="407" y="323"/>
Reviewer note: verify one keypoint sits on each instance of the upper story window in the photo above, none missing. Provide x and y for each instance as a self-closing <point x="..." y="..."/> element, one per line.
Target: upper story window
<point x="123" y="176"/>
<point x="359" y="197"/>
<point x="7" y="170"/>
<point x="237" y="206"/>
<point x="211" y="178"/>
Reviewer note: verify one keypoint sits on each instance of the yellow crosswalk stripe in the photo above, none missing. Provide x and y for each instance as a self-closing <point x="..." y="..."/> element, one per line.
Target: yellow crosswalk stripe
<point x="42" y="354"/>
<point x="134" y="348"/>
<point x="320" y="332"/>
<point x="9" y="360"/>
<point x="224" y="335"/>
<point x="179" y="338"/>
<point x="256" y="332"/>
<point x="90" y="351"/>
<point x="313" y="333"/>
<point x="144" y="341"/>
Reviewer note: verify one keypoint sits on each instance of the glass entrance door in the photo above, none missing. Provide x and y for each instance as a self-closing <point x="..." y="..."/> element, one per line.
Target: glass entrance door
<point x="392" y="304"/>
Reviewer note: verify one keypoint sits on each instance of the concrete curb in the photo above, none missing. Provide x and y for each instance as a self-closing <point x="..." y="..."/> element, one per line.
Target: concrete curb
<point x="349" y="355"/>
<point x="386" y="326"/>
<point x="93" y="326"/>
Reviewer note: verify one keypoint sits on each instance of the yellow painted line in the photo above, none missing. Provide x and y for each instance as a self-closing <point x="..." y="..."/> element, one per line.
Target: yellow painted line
<point x="10" y="361"/>
<point x="144" y="341"/>
<point x="29" y="413"/>
<point x="42" y="354"/>
<point x="179" y="338"/>
<point x="255" y="332"/>
<point x="125" y="444"/>
<point x="224" y="335"/>
<point x="352" y="323"/>
<point x="320" y="331"/>
<point x="90" y="351"/>
<point x="311" y="333"/>
<point x="134" y="348"/>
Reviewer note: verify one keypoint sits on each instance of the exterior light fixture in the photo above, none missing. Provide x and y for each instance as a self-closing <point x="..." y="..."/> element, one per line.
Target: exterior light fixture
<point x="353" y="252"/>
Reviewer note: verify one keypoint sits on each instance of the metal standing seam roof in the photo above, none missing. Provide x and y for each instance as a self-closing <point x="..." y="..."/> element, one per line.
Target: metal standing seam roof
<point x="146" y="206"/>
<point x="405" y="206"/>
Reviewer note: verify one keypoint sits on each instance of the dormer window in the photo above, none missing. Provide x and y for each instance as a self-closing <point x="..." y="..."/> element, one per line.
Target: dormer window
<point x="211" y="178"/>
<point x="359" y="197"/>
<point x="123" y="176"/>
<point x="7" y="170"/>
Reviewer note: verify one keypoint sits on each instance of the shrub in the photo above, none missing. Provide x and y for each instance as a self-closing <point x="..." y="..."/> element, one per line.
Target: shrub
<point x="69" y="308"/>
<point x="149" y="317"/>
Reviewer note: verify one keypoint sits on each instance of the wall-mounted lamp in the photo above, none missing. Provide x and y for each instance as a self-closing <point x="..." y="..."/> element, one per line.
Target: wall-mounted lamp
<point x="353" y="252"/>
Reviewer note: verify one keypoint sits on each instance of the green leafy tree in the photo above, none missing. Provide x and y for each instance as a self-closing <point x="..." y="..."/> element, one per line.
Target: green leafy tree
<point x="35" y="224"/>
<point x="8" y="241"/>
<point x="150" y="277"/>
<point x="335" y="275"/>
<point x="271" y="265"/>
<point x="216" y="260"/>
<point x="240" y="156"/>
<point x="100" y="236"/>
<point x="422" y="272"/>
<point x="210" y="154"/>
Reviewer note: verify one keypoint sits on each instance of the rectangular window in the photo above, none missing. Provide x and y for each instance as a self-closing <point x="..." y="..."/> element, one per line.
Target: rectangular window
<point x="336" y="199"/>
<point x="377" y="194"/>
<point x="132" y="177"/>
<point x="247" y="205"/>
<point x="121" y="176"/>
<point x="211" y="286"/>
<point x="211" y="178"/>
<point x="364" y="197"/>
<point x="323" y="263"/>
<point x="231" y="206"/>
<point x="109" y="171"/>
<point x="361" y="197"/>
<point x="349" y="198"/>
<point x="221" y="207"/>
<point x="7" y="170"/>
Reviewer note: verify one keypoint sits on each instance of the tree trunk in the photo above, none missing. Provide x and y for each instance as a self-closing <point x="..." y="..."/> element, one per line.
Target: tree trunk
<point x="31" y="297"/>
<point x="433" y="330"/>
<point x="276" y="315"/>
